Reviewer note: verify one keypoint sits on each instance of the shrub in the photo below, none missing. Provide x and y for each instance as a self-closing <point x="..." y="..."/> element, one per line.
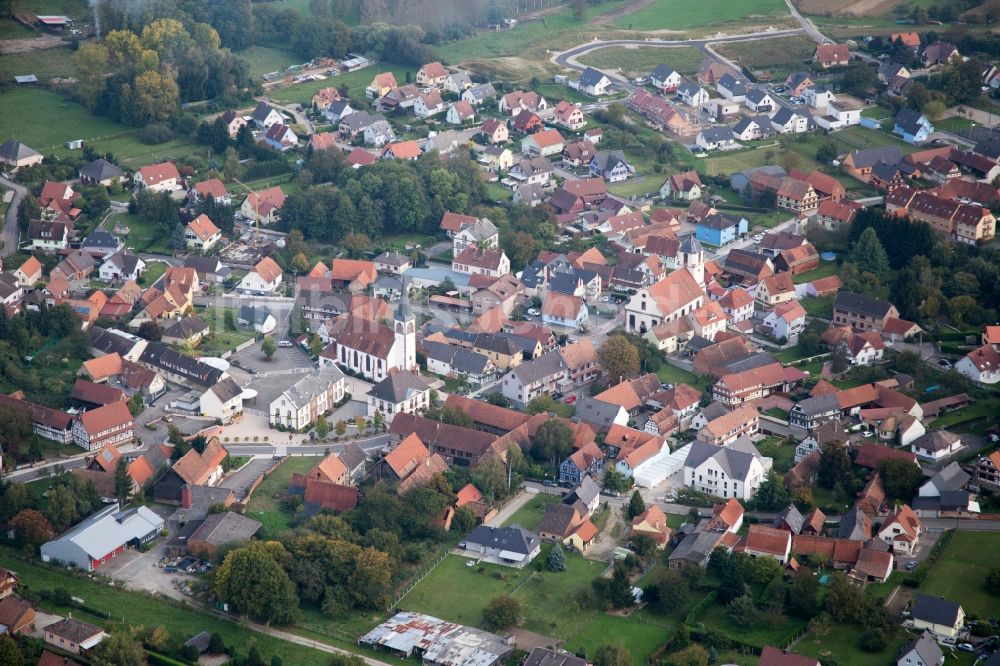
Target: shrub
<point x="154" y="134"/>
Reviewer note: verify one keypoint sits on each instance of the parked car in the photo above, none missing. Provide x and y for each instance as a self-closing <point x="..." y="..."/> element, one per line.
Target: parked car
<point x="550" y="484"/>
<point x="944" y="363"/>
<point x="867" y="433"/>
<point x="533" y="312"/>
<point x="570" y="399"/>
<point x="284" y="343"/>
<point x="911" y="565"/>
<point x="966" y="647"/>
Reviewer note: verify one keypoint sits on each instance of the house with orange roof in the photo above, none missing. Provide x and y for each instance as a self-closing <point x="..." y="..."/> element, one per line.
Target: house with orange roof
<point x="263" y="206"/>
<point x="652" y="523"/>
<point x="763" y="541"/>
<point x="402" y="150"/>
<point x="264" y="279"/>
<point x="162" y="177"/>
<point x="673" y="297"/>
<point x="110" y="424"/>
<point x="192" y="469"/>
<point x="901" y="529"/>
<point x="543" y="143"/>
<point x="736" y="388"/>
<point x="201" y="234"/>
<point x="214" y="189"/>
<point x="380" y="85"/>
<point x="727" y="428"/>
<point x="564" y="310"/>
<point x="774" y="289"/>
<point x="568" y="115"/>
<point x="352" y="274"/>
<point x="910" y="39"/>
<point x="632" y="462"/>
<point x="785" y="321"/>
<point x="727" y="516"/>
<point x="988" y="471"/>
<point x="431" y="74"/>
<point x="29" y="272"/>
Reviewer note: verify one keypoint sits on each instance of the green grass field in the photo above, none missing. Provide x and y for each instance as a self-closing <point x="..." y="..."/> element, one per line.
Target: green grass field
<point x="641" y="638"/>
<point x="54" y="120"/>
<point x="690" y="14"/>
<point x="763" y="633"/>
<point x="222" y="339"/>
<point x="670" y="374"/>
<point x="640" y="60"/>
<point x="546" y="601"/>
<point x="841" y="643"/>
<point x="529" y="515"/>
<point x="265" y="501"/>
<point x="784" y="54"/>
<point x="988" y="407"/>
<point x="142" y="235"/>
<point x="180" y="621"/>
<point x="44" y="64"/>
<point x="265" y="59"/>
<point x="826" y="269"/>
<point x="958" y="574"/>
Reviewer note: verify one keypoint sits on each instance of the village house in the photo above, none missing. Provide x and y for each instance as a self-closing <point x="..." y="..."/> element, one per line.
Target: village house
<point x="595" y="82"/>
<point x="568" y="115"/>
<point x="611" y="166"/>
<point x="431" y="74"/>
<point x="832" y="55"/>
<point x="162" y="177"/>
<point x="263" y="206"/>
<point x="201" y="234"/>
<point x="308" y="399"/>
<point x="542" y="143"/>
<point x="280" y="137"/>
<point x="734" y="471"/>
<point x="265" y="116"/>
<point x="264" y="279"/>
<point x="15" y="154"/>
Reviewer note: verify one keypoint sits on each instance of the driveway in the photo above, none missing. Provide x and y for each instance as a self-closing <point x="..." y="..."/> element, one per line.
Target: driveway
<point x="10" y="236"/>
<point x="241" y="480"/>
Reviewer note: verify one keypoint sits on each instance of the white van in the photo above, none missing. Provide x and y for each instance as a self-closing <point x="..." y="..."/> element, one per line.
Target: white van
<point x="284" y="343"/>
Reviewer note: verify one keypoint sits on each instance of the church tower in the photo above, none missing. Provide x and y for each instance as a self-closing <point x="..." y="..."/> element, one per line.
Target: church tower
<point x="406" y="330"/>
<point x="692" y="257"/>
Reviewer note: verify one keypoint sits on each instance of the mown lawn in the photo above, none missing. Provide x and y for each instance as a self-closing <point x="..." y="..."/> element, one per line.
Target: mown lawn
<point x="642" y="638"/>
<point x="222" y="339"/>
<point x="826" y="269"/>
<point x="529" y="515"/>
<point x="142" y="236"/>
<point x="670" y="374"/>
<point x="959" y="572"/>
<point x="265" y="503"/>
<point x="643" y="60"/>
<point x="841" y="644"/>
<point x="136" y="609"/>
<point x="264" y="59"/>
<point x="688" y="14"/>
<point x="988" y="407"/>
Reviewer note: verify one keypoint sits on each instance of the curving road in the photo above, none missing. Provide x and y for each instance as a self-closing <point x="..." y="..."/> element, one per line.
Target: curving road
<point x="568" y="58"/>
<point x="807" y="25"/>
<point x="11" y="235"/>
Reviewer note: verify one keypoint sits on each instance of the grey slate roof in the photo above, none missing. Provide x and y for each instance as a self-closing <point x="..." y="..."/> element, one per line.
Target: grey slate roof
<point x="591" y="77"/>
<point x="714" y="410"/>
<point x="255" y="315"/>
<point x="820" y="404"/>
<point x="110" y="343"/>
<point x="227" y="389"/>
<point x="596" y="412"/>
<point x="792" y="516"/>
<point x="546" y="365"/>
<point x="935" y="440"/>
<point x="12" y="151"/>
<point x="854" y="525"/>
<point x="696" y="548"/>
<point x="717" y="134"/>
<point x="935" y="610"/>
<point x="606" y="160"/>
<point x="735" y="459"/>
<point x="869" y="157"/>
<point x="544" y="657"/>
<point x="885" y="171"/>
<point x="757" y="95"/>
<point x="848" y="300"/>
<point x="460" y="359"/>
<point x="184" y="328"/>
<point x="514" y="539"/>
<point x="100" y="238"/>
<point x="161" y="356"/>
<point x="688" y="89"/>
<point x="661" y="72"/>
<point x="222" y="528"/>
<point x="101" y="169"/>
<point x="302" y="391"/>
<point x="926" y="649"/>
<point x="398" y="387"/>
<point x="950" y="477"/>
<point x="261" y="112"/>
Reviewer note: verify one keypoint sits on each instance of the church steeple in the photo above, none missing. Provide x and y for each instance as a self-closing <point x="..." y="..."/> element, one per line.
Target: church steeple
<point x="405" y="328"/>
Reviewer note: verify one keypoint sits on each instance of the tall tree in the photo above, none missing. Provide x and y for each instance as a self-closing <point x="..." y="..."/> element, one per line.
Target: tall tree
<point x="557" y="559"/>
<point x="619" y="359"/>
<point x="31" y="527"/>
<point x="868" y="254"/>
<point x="620" y="588"/>
<point x="834" y="464"/>
<point x="123" y="481"/>
<point x="900" y="478"/>
<point x="553" y="441"/>
<point x="119" y="649"/>
<point x="635" y="505"/>
<point x="252" y="581"/>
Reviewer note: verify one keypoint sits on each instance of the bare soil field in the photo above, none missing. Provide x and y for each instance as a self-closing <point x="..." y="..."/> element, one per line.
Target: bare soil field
<point x="30" y="44"/>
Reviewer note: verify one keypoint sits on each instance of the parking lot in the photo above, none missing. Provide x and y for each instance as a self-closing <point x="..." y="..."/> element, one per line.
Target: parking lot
<point x="285" y="358"/>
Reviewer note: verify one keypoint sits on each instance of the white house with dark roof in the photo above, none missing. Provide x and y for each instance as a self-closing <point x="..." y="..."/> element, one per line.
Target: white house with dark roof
<point x="736" y="470"/>
<point x="399" y="392"/>
<point x="265" y="115"/>
<point x="665" y="78"/>
<point x="595" y="82"/>
<point x="308" y="398"/>
<point x="510" y="546"/>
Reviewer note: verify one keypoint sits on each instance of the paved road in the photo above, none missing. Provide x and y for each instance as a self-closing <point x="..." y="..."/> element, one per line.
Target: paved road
<point x="807" y="26"/>
<point x="11" y="235"/>
<point x="568" y="58"/>
<point x="299" y="116"/>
